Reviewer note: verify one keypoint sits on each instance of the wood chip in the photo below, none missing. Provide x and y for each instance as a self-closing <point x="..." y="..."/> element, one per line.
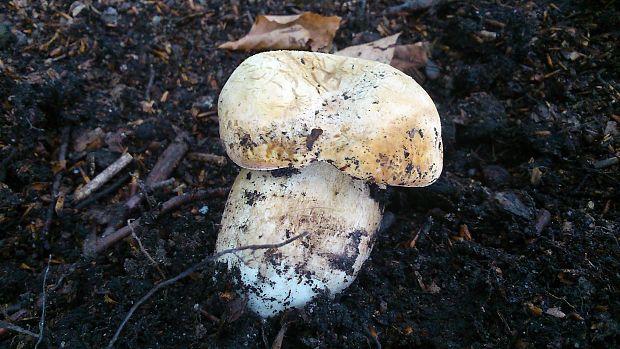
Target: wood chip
<point x="103" y="177"/>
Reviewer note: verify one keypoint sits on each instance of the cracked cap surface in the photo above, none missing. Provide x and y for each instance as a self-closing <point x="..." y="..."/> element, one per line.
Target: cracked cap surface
<point x="290" y="108"/>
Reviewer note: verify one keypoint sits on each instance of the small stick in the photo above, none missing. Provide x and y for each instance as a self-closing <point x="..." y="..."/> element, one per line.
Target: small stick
<point x="135" y="200"/>
<point x="425" y="228"/>
<point x="62" y="156"/>
<point x="13" y="327"/>
<point x="168" y="160"/>
<point x="208" y="158"/>
<point x="102" y="243"/>
<point x="149" y="85"/>
<point x="164" y="183"/>
<point x="162" y="170"/>
<point x="103" y="177"/>
<point x="42" y="321"/>
<point x="191" y="270"/>
<point x="114" y="187"/>
<point x="146" y="253"/>
<point x="277" y="342"/>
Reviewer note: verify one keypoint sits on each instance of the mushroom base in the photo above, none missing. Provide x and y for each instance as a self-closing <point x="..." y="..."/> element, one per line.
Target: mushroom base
<point x="338" y="212"/>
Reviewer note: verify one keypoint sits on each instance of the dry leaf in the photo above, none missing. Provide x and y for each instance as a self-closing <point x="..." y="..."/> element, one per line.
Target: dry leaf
<point x="406" y="58"/>
<point x="536" y="311"/>
<point x="107" y="299"/>
<point x="536" y="176"/>
<point x="25" y="266"/>
<point x="89" y="140"/>
<point x="60" y="204"/>
<point x="147" y="107"/>
<point x="412" y="56"/>
<point x="381" y="50"/>
<point x="464" y="232"/>
<point x="555" y="312"/>
<point x="294" y="32"/>
<point x="76" y="7"/>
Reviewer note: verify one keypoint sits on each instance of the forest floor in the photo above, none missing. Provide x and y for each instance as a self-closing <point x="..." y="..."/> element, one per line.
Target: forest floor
<point x="516" y="245"/>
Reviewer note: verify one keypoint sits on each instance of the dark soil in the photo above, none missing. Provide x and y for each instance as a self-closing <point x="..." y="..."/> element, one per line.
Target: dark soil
<point x="515" y="246"/>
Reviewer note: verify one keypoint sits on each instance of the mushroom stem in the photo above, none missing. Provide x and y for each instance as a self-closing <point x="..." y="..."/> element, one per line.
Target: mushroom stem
<point x="338" y="213"/>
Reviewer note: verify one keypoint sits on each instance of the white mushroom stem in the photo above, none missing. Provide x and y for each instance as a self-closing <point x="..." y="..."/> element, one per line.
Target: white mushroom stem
<point x="337" y="211"/>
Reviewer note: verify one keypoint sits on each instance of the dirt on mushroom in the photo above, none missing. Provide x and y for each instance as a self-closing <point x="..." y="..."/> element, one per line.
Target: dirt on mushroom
<point x="527" y="92"/>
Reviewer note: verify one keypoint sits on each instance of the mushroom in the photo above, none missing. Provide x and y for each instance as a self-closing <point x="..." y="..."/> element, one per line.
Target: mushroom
<point x="313" y="132"/>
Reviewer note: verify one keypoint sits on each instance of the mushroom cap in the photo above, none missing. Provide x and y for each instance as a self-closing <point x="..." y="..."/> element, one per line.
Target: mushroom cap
<point x="264" y="208"/>
<point x="289" y="108"/>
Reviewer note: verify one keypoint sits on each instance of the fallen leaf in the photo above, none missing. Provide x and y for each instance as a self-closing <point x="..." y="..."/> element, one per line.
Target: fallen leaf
<point x="555" y="312"/>
<point x="576" y="316"/>
<point x="572" y="55"/>
<point x="76" y="7"/>
<point x="25" y="266"/>
<point x="406" y="58"/>
<point x="536" y="311"/>
<point x="536" y="176"/>
<point x="89" y="140"/>
<point x="464" y="232"/>
<point x="293" y="32"/>
<point x="381" y="50"/>
<point x="60" y="204"/>
<point x="147" y="107"/>
<point x="412" y="56"/>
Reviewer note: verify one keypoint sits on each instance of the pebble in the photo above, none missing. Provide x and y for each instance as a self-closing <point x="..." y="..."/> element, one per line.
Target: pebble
<point x="495" y="176"/>
<point x="110" y="17"/>
<point x="431" y="70"/>
<point x="512" y="204"/>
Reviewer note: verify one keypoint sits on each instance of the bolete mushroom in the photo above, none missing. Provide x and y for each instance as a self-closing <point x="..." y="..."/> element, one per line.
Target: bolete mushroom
<point x="336" y="125"/>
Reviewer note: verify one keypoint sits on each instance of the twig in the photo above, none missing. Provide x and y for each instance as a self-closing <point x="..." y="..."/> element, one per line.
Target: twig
<point x="101" y="244"/>
<point x="146" y="253"/>
<point x="62" y="156"/>
<point x="412" y="5"/>
<point x="12" y="327"/>
<point x="112" y="188"/>
<point x="162" y="170"/>
<point x="164" y="183"/>
<point x="425" y="228"/>
<point x="168" y="160"/>
<point x="42" y="321"/>
<point x="149" y="85"/>
<point x="103" y="177"/>
<point x="277" y="342"/>
<point x="191" y="270"/>
<point x="208" y="158"/>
